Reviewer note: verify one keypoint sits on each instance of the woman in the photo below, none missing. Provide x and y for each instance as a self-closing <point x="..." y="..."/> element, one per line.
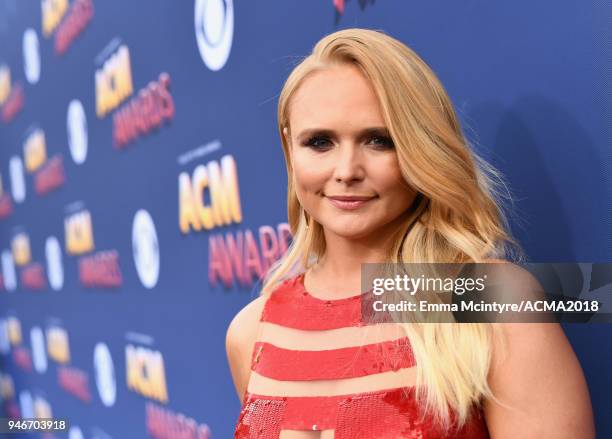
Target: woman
<point x="379" y="171"/>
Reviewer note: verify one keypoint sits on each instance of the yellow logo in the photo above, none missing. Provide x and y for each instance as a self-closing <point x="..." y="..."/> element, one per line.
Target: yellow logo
<point x="14" y="330"/>
<point x="79" y="233"/>
<point x="42" y="409"/>
<point x="145" y="372"/>
<point x="35" y="150"/>
<point x="113" y="81"/>
<point x="218" y="183"/>
<point x="21" y="249"/>
<point x="57" y="345"/>
<point x="5" y="83"/>
<point x="52" y="13"/>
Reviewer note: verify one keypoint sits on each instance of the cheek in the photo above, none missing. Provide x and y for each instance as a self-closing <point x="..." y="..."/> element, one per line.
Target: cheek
<point x="307" y="176"/>
<point x="391" y="184"/>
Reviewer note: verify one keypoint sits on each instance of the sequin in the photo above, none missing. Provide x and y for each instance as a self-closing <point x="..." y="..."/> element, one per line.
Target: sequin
<point x="383" y="414"/>
<point x="288" y="364"/>
<point x="260" y="418"/>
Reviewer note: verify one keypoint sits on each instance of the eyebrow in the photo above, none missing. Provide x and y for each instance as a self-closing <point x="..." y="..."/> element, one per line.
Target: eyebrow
<point x="309" y="132"/>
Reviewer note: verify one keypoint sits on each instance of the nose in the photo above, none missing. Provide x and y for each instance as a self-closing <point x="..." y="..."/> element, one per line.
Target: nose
<point x="349" y="166"/>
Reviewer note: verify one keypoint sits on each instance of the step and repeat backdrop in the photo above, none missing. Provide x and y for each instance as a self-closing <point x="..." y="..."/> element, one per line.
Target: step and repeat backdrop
<point x="143" y="186"/>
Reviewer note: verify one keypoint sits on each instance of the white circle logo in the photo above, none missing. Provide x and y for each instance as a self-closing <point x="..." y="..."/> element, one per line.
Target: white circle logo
<point x="76" y="123"/>
<point x="31" y="56"/>
<point x="75" y="433"/>
<point x="105" y="374"/>
<point x="55" y="270"/>
<point x="17" y="179"/>
<point x="214" y="29"/>
<point x="8" y="271"/>
<point x="39" y="356"/>
<point x="26" y="404"/>
<point x="145" y="248"/>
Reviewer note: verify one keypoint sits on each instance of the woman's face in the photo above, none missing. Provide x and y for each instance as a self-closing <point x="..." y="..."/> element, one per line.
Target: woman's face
<point x="345" y="168"/>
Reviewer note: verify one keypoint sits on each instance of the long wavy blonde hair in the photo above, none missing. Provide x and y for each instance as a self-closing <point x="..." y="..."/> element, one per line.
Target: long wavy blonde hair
<point x="457" y="216"/>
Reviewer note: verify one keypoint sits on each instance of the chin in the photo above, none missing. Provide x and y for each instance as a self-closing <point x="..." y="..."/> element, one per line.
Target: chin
<point x="349" y="232"/>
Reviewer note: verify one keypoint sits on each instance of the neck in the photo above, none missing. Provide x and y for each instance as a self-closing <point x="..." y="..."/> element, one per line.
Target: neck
<point x="340" y="267"/>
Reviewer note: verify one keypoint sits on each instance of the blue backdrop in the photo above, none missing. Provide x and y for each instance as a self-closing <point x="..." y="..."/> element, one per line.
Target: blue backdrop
<point x="143" y="182"/>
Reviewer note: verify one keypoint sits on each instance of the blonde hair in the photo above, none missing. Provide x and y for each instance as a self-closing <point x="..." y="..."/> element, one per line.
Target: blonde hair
<point x="456" y="217"/>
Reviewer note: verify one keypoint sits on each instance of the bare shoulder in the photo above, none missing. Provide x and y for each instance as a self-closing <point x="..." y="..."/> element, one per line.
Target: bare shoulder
<point x="539" y="384"/>
<point x="507" y="270"/>
<point x="246" y="320"/>
<point x="511" y="283"/>
<point x="535" y="376"/>
<point x="239" y="341"/>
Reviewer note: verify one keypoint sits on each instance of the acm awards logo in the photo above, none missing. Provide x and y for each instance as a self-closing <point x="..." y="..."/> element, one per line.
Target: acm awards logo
<point x="72" y="380"/>
<point x="48" y="173"/>
<point x="113" y="79"/>
<point x="149" y="109"/>
<point x="21" y="354"/>
<point x="96" y="270"/>
<point x="67" y="23"/>
<point x="214" y="30"/>
<point x="163" y="423"/>
<point x="145" y="372"/>
<point x="52" y="12"/>
<point x="58" y="346"/>
<point x="7" y="395"/>
<point x="13" y="326"/>
<point x="75" y="382"/>
<point x="209" y="198"/>
<point x="32" y="274"/>
<point x="11" y="95"/>
<point x="34" y="149"/>
<point x="146" y="375"/>
<point x="219" y="179"/>
<point x="76" y="20"/>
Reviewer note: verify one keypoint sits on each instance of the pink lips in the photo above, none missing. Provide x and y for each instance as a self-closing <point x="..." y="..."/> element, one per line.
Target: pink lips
<point x="349" y="202"/>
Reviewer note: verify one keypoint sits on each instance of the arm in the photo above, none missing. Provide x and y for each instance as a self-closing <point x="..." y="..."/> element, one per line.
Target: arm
<point x="541" y="379"/>
<point x="239" y="341"/>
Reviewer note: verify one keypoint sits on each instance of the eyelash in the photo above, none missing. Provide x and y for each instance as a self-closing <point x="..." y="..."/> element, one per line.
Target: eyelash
<point x="385" y="142"/>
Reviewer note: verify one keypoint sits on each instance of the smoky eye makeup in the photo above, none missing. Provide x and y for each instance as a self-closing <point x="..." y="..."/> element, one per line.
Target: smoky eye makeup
<point x="322" y="142"/>
<point x="378" y="138"/>
<point x="384" y="142"/>
<point x="317" y="142"/>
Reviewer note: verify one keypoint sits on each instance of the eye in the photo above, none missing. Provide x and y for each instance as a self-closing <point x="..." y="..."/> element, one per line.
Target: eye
<point x="382" y="142"/>
<point x="318" y="142"/>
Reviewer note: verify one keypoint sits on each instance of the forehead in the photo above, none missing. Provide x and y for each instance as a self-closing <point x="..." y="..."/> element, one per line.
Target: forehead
<point x="335" y="96"/>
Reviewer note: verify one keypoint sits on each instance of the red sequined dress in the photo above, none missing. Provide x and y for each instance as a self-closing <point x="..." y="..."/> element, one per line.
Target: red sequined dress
<point x="319" y="372"/>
